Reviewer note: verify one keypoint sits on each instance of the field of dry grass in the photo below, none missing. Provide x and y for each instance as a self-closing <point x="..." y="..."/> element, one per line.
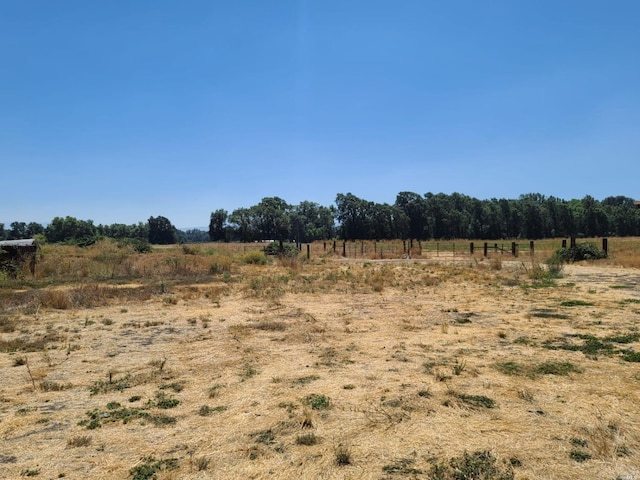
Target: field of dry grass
<point x="207" y="364"/>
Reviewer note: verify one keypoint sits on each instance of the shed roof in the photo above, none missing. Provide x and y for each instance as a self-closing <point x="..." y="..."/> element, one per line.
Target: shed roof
<point x="26" y="242"/>
<point x="637" y="203"/>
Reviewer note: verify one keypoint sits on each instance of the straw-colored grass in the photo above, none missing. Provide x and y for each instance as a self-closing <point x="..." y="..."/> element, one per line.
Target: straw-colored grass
<point x="320" y="368"/>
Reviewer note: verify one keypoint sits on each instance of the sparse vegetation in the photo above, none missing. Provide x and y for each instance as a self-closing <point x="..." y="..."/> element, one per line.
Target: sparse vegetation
<point x="481" y="465"/>
<point x="79" y="441"/>
<point x="343" y="455"/>
<point x="324" y="363"/>
<point x="581" y="251"/>
<point x="549" y="367"/>
<point x="149" y="466"/>
<point x="307" y="439"/>
<point x="317" y="402"/>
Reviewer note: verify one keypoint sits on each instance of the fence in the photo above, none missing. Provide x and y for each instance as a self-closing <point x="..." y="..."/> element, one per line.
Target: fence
<point x="397" y="249"/>
<point x="368" y="249"/>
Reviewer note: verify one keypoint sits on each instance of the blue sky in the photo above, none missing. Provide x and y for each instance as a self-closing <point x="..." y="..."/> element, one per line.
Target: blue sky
<point x="116" y="111"/>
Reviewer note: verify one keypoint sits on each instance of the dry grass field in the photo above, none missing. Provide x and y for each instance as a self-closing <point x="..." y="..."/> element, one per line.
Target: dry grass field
<point x="196" y="363"/>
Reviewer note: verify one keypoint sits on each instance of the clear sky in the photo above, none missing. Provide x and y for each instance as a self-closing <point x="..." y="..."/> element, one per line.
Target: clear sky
<point x="118" y="110"/>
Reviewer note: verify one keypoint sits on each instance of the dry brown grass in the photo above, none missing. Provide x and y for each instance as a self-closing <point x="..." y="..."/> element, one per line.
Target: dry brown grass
<point x="318" y="369"/>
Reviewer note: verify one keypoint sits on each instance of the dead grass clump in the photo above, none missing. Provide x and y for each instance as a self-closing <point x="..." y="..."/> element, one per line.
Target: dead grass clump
<point x="270" y="325"/>
<point x="201" y="463"/>
<point x="293" y="263"/>
<point x="79" y="441"/>
<point x="532" y="370"/>
<point x="606" y="439"/>
<point x="307" y="439"/>
<point x="495" y="263"/>
<point x="268" y="287"/>
<point x="50" y="386"/>
<point x="220" y="264"/>
<point x="7" y="324"/>
<point x="403" y="467"/>
<point x="57" y="299"/>
<point x="378" y="278"/>
<point x="90" y="295"/>
<point x="28" y="344"/>
<point x="342" y="455"/>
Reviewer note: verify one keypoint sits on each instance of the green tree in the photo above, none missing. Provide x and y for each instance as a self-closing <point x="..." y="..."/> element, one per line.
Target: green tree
<point x="354" y="217"/>
<point x="217" y="225"/>
<point x="193" y="235"/>
<point x="18" y="231"/>
<point x="34" y="229"/>
<point x="69" y="229"/>
<point x="594" y="220"/>
<point x="271" y="218"/>
<point x="241" y="219"/>
<point x="311" y="221"/>
<point x="415" y="209"/>
<point x="161" y="231"/>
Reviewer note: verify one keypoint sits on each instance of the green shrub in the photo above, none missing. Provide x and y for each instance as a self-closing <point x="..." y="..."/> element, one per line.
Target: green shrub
<point x="579" y="455"/>
<point x="149" y="466"/>
<point x="478" y="465"/>
<point x="317" y="402"/>
<point x="220" y="264"/>
<point x="254" y="257"/>
<point x="555" y="265"/>
<point x="288" y="249"/>
<point x="581" y="251"/>
<point x="138" y="245"/>
<point x="476" y="400"/>
<point x="556" y="368"/>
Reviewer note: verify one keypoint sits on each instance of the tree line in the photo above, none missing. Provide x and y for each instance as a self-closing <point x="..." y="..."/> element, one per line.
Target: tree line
<point x="429" y="216"/>
<point x="421" y="217"/>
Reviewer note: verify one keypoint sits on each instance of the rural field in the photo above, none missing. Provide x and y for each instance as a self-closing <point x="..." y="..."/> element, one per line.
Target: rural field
<point x="214" y="361"/>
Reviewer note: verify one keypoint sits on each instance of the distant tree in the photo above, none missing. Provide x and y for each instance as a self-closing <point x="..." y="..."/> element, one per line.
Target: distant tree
<point x="116" y="230"/>
<point x="354" y="217"/>
<point x="217" y="225"/>
<point x="311" y="221"/>
<point x="414" y="207"/>
<point x="34" y="229"/>
<point x="594" y="220"/>
<point x="18" y="231"/>
<point x="3" y="232"/>
<point x="161" y="231"/>
<point x="69" y="229"/>
<point x="193" y="235"/>
<point x="241" y="218"/>
<point x="272" y="219"/>
<point x="139" y="230"/>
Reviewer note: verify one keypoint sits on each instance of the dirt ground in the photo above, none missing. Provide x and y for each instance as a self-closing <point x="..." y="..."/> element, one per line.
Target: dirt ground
<point x="361" y="370"/>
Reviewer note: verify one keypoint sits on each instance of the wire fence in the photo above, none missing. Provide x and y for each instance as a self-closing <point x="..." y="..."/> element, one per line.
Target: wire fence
<point x="397" y="249"/>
